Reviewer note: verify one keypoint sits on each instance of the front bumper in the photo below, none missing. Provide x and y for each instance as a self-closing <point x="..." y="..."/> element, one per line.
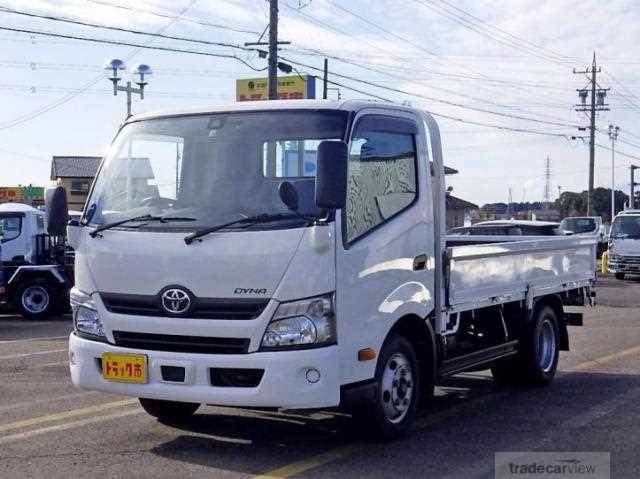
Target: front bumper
<point x="283" y="385"/>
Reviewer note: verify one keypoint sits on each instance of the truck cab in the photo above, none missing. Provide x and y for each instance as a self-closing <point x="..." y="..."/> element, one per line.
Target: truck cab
<point x="624" y="244"/>
<point x="20" y="225"/>
<point x="292" y="254"/>
<point x="36" y="278"/>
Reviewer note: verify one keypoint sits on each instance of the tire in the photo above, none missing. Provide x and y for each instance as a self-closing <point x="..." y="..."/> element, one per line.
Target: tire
<point x="619" y="275"/>
<point x="398" y="382"/>
<point x="168" y="411"/>
<point x="536" y="362"/>
<point x="36" y="299"/>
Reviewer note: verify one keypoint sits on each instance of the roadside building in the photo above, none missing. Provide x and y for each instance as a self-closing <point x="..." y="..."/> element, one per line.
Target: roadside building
<point x="458" y="210"/>
<point x="76" y="174"/>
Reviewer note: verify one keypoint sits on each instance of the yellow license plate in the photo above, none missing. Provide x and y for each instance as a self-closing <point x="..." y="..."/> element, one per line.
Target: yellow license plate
<point x="126" y="368"/>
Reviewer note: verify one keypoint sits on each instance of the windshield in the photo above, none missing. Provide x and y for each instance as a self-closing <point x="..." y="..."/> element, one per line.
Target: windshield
<point x="579" y="225"/>
<point x="626" y="227"/>
<point x="212" y="168"/>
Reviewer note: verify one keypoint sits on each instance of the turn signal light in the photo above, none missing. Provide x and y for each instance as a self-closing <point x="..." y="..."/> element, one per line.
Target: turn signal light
<point x="366" y="354"/>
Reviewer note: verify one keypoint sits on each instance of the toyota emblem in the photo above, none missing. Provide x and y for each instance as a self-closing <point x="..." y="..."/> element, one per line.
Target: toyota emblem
<point x="175" y="300"/>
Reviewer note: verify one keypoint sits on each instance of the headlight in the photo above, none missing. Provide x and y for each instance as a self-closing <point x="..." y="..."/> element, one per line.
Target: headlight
<point x="614" y="257"/>
<point x="86" y="320"/>
<point x="308" y="322"/>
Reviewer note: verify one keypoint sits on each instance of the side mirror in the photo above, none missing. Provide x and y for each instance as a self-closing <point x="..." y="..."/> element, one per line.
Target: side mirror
<point x="331" y="174"/>
<point x="57" y="212"/>
<point x="288" y="195"/>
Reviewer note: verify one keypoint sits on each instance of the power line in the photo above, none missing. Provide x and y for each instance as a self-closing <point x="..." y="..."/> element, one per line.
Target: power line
<point x="180" y="18"/>
<point x="449" y="117"/>
<point x="71" y="96"/>
<point x="131" y="44"/>
<point x="504" y="32"/>
<point x="120" y="29"/>
<point x="438" y="100"/>
<point x="473" y="26"/>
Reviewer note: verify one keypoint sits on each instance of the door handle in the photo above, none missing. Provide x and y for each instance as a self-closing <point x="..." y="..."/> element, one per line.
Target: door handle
<point x="420" y="262"/>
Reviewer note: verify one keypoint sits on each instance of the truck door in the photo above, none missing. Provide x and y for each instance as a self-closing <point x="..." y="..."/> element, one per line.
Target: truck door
<point x="14" y="227"/>
<point x="384" y="264"/>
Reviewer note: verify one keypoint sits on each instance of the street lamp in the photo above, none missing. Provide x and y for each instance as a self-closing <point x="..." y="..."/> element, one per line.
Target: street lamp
<point x="140" y="74"/>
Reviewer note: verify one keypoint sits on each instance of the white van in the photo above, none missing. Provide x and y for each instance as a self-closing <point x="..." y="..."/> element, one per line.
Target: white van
<point x="624" y="244"/>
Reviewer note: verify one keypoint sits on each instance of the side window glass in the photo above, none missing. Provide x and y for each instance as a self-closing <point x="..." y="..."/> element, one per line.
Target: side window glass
<point x="381" y="178"/>
<point x="10" y="227"/>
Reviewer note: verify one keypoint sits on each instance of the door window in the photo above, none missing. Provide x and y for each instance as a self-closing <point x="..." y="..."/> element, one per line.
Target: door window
<point x="10" y="227"/>
<point x="381" y="176"/>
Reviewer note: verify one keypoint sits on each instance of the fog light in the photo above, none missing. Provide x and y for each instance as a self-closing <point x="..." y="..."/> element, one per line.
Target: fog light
<point x="313" y="375"/>
<point x="72" y="358"/>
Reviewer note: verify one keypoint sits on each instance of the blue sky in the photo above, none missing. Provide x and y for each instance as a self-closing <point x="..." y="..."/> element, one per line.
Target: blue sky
<point x="55" y="102"/>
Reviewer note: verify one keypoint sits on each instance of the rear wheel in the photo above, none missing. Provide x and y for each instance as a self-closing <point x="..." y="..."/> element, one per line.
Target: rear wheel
<point x="389" y="414"/>
<point x="168" y="410"/>
<point x="619" y="275"/>
<point x="36" y="299"/>
<point x="537" y="359"/>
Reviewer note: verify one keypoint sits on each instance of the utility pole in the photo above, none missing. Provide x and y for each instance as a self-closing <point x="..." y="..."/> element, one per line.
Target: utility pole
<point x="613" y="136"/>
<point x="632" y="198"/>
<point x="272" y="54"/>
<point x="597" y="104"/>
<point x="325" y="79"/>
<point x="273" y="49"/>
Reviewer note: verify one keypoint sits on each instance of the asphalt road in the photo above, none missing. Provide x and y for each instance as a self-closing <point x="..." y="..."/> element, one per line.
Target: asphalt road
<point x="50" y="429"/>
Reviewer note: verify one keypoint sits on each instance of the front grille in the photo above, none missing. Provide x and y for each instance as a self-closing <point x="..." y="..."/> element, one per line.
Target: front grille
<point x="181" y="344"/>
<point x="202" y="308"/>
<point x="629" y="259"/>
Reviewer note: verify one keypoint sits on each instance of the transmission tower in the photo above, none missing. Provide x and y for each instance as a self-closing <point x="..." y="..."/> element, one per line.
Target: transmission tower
<point x="510" y="201"/>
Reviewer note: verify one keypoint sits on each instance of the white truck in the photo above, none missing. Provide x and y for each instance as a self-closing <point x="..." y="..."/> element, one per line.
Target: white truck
<point x="35" y="263"/>
<point x="624" y="244"/>
<point x="293" y="255"/>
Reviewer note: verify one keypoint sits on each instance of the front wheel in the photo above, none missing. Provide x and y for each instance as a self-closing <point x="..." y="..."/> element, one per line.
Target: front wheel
<point x="398" y="389"/>
<point x="619" y="275"/>
<point x="168" y="410"/>
<point x="36" y="299"/>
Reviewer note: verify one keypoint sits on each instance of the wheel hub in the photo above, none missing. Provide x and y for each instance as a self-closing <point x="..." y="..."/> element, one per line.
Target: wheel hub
<point x="397" y="387"/>
<point x="35" y="299"/>
<point x="546" y="345"/>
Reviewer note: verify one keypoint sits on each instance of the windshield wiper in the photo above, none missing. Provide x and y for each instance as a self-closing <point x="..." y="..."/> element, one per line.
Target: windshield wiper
<point x="161" y="219"/>
<point x="262" y="218"/>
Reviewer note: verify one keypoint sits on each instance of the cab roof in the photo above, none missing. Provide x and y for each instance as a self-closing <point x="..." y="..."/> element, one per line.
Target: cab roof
<point x="347" y="105"/>
<point x="17" y="208"/>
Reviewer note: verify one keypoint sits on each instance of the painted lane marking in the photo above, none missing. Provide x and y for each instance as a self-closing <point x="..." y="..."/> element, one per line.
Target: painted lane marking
<point x="29" y="340"/>
<point x="49" y="400"/>
<point x="66" y="414"/>
<point x="605" y="359"/>
<point x="69" y="425"/>
<point x="341" y="452"/>
<point x="37" y="353"/>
